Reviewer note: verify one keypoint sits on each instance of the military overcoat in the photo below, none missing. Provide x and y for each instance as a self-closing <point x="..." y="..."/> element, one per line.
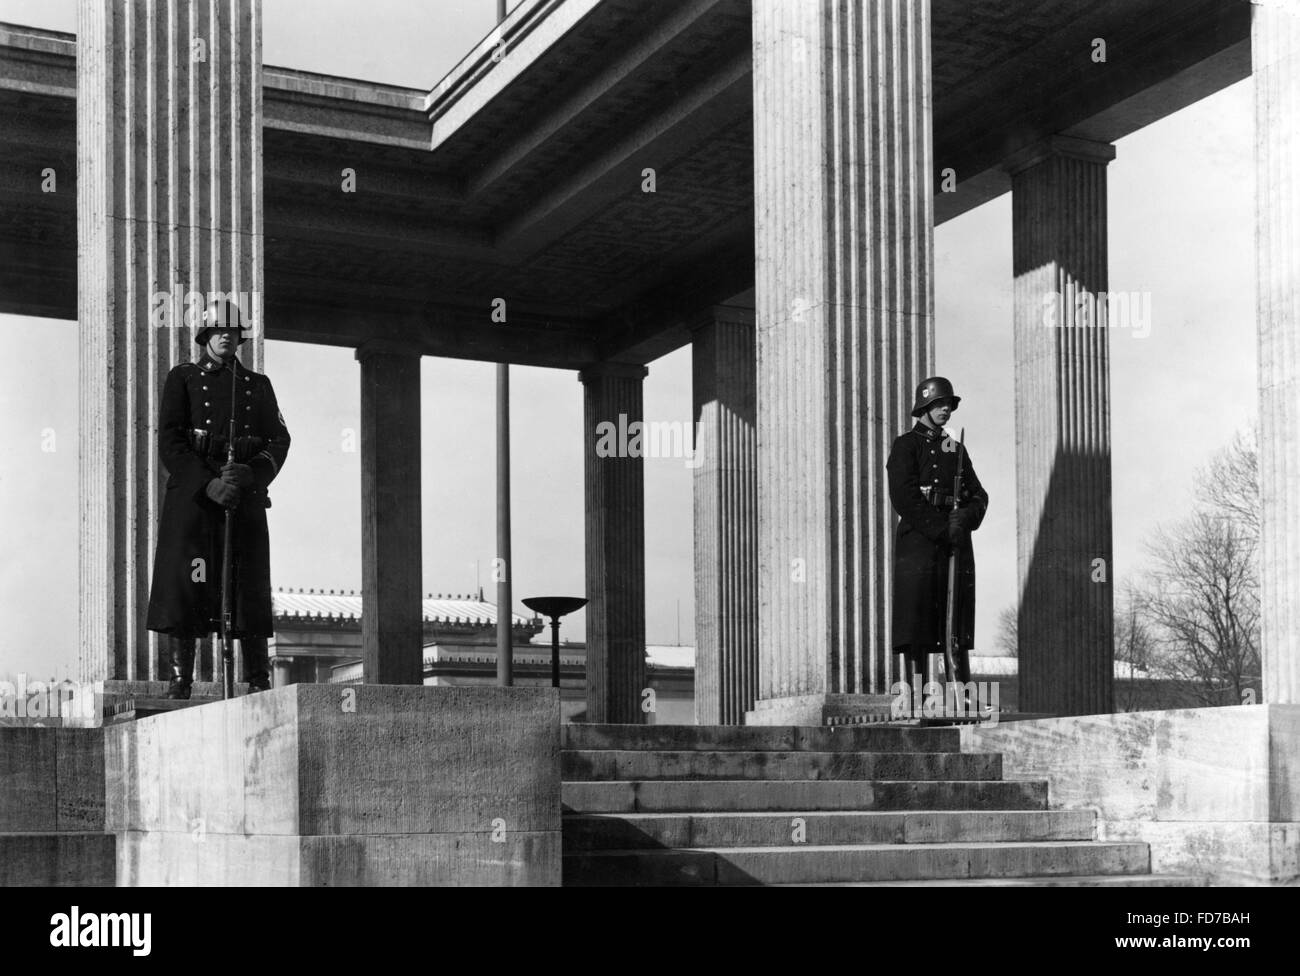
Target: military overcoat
<point x="193" y="427"/>
<point x="927" y="458"/>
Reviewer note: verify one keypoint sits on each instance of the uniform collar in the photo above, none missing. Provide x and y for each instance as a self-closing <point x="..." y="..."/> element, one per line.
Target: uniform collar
<point x="929" y="433"/>
<point x="211" y="365"/>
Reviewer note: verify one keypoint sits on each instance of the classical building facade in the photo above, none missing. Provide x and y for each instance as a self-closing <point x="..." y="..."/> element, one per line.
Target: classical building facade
<point x="598" y="183"/>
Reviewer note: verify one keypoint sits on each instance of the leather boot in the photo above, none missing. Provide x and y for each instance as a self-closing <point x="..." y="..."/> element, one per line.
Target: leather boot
<point x="256" y="665"/>
<point x="182" y="667"/>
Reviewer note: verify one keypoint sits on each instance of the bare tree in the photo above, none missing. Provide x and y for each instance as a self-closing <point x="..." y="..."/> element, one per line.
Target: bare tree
<point x="1205" y="604"/>
<point x="1007" y="635"/>
<point x="1197" y="622"/>
<point x="1137" y="652"/>
<point x="1229" y="485"/>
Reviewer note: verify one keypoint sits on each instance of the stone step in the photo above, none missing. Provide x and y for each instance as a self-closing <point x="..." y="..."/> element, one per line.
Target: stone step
<point x="1065" y="881"/>
<point x="656" y="831"/>
<point x="123" y="688"/>
<point x="728" y="796"/>
<point x="144" y="707"/>
<point x="758" y="738"/>
<point x="691" y="764"/>
<point x="58" y="860"/>
<point x="796" y="864"/>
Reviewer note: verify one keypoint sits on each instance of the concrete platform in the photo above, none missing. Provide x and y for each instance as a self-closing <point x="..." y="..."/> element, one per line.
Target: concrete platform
<point x="854" y="862"/>
<point x="649" y="831"/>
<point x="51" y="780"/>
<point x="50" y="860"/>
<point x="759" y="738"/>
<point x="1064" y="881"/>
<point x="1214" y="791"/>
<point x="688" y="764"/>
<point x="323" y="785"/>
<point x="801" y="795"/>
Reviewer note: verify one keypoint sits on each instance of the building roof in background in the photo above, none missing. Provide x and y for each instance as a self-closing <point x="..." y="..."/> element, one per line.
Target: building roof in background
<point x="670" y="656"/>
<point x="346" y="605"/>
<point x="1008" y="666"/>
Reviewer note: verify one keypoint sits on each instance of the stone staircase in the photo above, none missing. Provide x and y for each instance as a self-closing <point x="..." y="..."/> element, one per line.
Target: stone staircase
<point x="847" y="805"/>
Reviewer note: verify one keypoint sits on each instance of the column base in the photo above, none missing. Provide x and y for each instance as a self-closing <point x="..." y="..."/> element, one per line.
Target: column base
<point x="822" y="709"/>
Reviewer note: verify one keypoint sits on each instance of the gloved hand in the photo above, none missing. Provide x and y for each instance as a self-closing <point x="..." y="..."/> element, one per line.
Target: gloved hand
<point x="956" y="528"/>
<point x="967" y="517"/>
<point x="224" y="494"/>
<point x="236" y="474"/>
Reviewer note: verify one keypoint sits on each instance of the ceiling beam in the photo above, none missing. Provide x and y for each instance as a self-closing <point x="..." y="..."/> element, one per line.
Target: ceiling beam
<point x="594" y="91"/>
<point x="686" y="120"/>
<point x="442" y="331"/>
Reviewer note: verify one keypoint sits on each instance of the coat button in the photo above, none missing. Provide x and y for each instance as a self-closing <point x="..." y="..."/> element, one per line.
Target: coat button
<point x="248" y="408"/>
<point x="248" y="393"/>
<point x="206" y="404"/>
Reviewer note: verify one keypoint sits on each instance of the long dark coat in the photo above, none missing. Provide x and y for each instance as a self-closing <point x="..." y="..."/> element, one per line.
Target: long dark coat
<point x="185" y="598"/>
<point x="921" y="549"/>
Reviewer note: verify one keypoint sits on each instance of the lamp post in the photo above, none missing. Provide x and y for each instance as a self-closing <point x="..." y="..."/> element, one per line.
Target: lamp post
<point x="555" y="607"/>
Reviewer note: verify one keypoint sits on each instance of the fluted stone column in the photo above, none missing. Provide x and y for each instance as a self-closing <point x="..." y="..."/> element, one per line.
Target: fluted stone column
<point x="844" y="261"/>
<point x="392" y="626"/>
<point x="726" y="517"/>
<point x="169" y="208"/>
<point x="615" y="540"/>
<point x="1062" y="377"/>
<point x="1275" y="55"/>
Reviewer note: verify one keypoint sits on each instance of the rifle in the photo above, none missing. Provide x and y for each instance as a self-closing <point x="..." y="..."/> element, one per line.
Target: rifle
<point x="227" y="553"/>
<point x="950" y="638"/>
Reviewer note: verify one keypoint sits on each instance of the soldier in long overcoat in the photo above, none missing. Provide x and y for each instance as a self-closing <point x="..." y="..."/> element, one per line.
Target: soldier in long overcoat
<point x="199" y="401"/>
<point x="922" y="464"/>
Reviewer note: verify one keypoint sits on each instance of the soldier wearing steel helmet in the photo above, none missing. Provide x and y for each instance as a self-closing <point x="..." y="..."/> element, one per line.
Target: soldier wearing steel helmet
<point x="922" y="464"/>
<point x="199" y="402"/>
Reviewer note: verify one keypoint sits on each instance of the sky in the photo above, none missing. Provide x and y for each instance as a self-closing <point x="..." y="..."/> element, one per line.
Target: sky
<point x="1181" y="202"/>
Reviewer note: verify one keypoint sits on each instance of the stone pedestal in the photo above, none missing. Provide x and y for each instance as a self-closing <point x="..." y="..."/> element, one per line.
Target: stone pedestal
<point x="1214" y="791"/>
<point x="615" y="539"/>
<point x="169" y="212"/>
<point x="1063" y="494"/>
<point x="341" y="785"/>
<point x="726" y="517"/>
<point x="52" y="808"/>
<point x="1275" y="55"/>
<point x="392" y="627"/>
<point x="845" y="309"/>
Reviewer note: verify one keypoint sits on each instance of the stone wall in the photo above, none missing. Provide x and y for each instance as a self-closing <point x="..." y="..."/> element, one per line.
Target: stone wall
<point x="1214" y="791"/>
<point x="327" y="785"/>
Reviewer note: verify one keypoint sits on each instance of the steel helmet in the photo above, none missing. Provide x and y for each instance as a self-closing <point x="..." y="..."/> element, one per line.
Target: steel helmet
<point x="217" y="316"/>
<point x="931" y="391"/>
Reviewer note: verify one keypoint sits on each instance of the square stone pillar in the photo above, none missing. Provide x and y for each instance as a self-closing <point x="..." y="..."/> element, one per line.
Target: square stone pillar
<point x="615" y="539"/>
<point x="392" y="628"/>
<point x="1275" y="56"/>
<point x="726" y="517"/>
<point x="1063" y="484"/>
<point x="843" y="187"/>
<point x="169" y="211"/>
